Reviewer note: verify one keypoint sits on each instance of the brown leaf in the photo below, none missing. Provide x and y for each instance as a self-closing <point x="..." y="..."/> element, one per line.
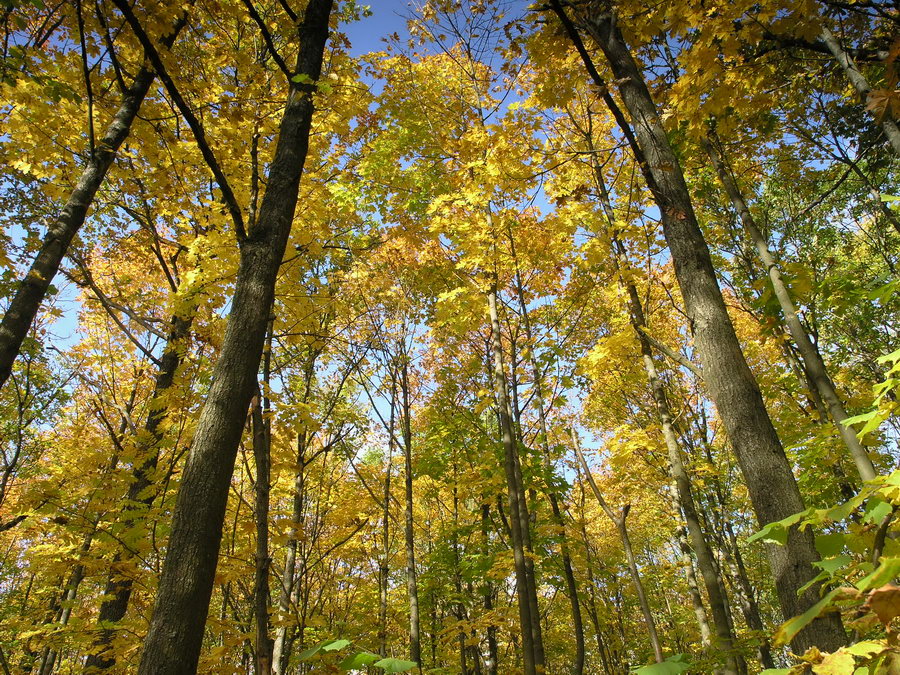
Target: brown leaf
<point x="884" y="602"/>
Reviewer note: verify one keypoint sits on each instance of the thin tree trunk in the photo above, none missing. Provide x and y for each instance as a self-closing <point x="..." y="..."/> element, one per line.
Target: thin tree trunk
<point x="767" y="472"/>
<point x="383" y="569"/>
<point x="33" y="287"/>
<point x="682" y="484"/>
<point x="172" y="646"/>
<point x="281" y="651"/>
<point x="491" y="663"/>
<point x="118" y="589"/>
<point x="812" y="359"/>
<point x="516" y="499"/>
<point x="605" y="657"/>
<point x="618" y="520"/>
<point x="861" y="85"/>
<point x="552" y="496"/>
<point x="262" y="448"/>
<point x="690" y="576"/>
<point x="412" y="587"/>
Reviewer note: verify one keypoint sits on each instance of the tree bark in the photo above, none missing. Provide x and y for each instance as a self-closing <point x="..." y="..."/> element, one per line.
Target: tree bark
<point x="767" y="472"/>
<point x="412" y="586"/>
<point x="33" y="287"/>
<point x="262" y="447"/>
<point x="532" y="655"/>
<point x="172" y="646"/>
<point x="861" y="85"/>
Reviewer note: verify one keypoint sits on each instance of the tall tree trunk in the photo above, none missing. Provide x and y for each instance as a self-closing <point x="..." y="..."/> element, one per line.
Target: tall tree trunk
<point x="491" y="663"/>
<point x="412" y="586"/>
<point x="592" y="586"/>
<point x="262" y="447"/>
<point x="682" y="484"/>
<point x="861" y="85"/>
<point x="618" y="520"/>
<point x="812" y="359"/>
<point x="33" y="287"/>
<point x="767" y="472"/>
<point x="532" y="655"/>
<point x="690" y="576"/>
<point x="281" y="651"/>
<point x="552" y="496"/>
<point x="383" y="569"/>
<point x="118" y="589"/>
<point x="172" y="646"/>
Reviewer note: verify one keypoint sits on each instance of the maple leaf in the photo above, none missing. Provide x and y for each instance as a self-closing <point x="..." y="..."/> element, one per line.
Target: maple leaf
<point x="884" y="602"/>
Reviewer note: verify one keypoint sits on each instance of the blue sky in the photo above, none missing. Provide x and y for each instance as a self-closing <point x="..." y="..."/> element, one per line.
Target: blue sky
<point x="388" y="16"/>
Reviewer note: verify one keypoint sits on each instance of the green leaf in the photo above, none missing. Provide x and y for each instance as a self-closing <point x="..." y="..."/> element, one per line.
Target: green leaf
<point x="867" y="648"/>
<point x="309" y="653"/>
<point x="776" y="671"/>
<point x="777" y="532"/>
<point x="829" y="545"/>
<point x="394" y="665"/>
<point x="302" y="78"/>
<point x="886" y="571"/>
<point x="324" y="646"/>
<point x="832" y="565"/>
<point x="358" y="661"/>
<point x="877" y="510"/>
<point x="334" y="645"/>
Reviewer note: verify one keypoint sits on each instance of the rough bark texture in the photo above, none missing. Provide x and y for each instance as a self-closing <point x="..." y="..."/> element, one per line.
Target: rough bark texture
<point x="172" y="646"/>
<point x="262" y="447"/>
<point x="32" y="289"/>
<point x="732" y="386"/>
<point x="813" y="364"/>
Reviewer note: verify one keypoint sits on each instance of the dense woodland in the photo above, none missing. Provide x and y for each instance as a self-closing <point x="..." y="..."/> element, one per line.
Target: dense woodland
<point x="552" y="337"/>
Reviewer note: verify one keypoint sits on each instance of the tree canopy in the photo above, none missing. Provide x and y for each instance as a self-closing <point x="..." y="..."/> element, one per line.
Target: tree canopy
<point x="536" y="337"/>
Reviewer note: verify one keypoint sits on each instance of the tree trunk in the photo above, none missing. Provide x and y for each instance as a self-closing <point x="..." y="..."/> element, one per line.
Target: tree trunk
<point x="383" y="569"/>
<point x="491" y="663"/>
<point x="618" y="520"/>
<point x="532" y="656"/>
<point x="812" y="359"/>
<point x="861" y="85"/>
<point x="412" y="586"/>
<point x="139" y="498"/>
<point x="552" y="496"/>
<point x="767" y="472"/>
<point x="682" y="484"/>
<point x="262" y="447"/>
<point x="33" y="287"/>
<point x="172" y="646"/>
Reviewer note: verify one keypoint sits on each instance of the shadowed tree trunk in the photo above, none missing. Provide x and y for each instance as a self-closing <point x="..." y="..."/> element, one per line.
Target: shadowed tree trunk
<point x="139" y="498"/>
<point x="532" y="656"/>
<point x="33" y="287"/>
<point x="172" y="646"/>
<point x="767" y="472"/>
<point x="412" y="586"/>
